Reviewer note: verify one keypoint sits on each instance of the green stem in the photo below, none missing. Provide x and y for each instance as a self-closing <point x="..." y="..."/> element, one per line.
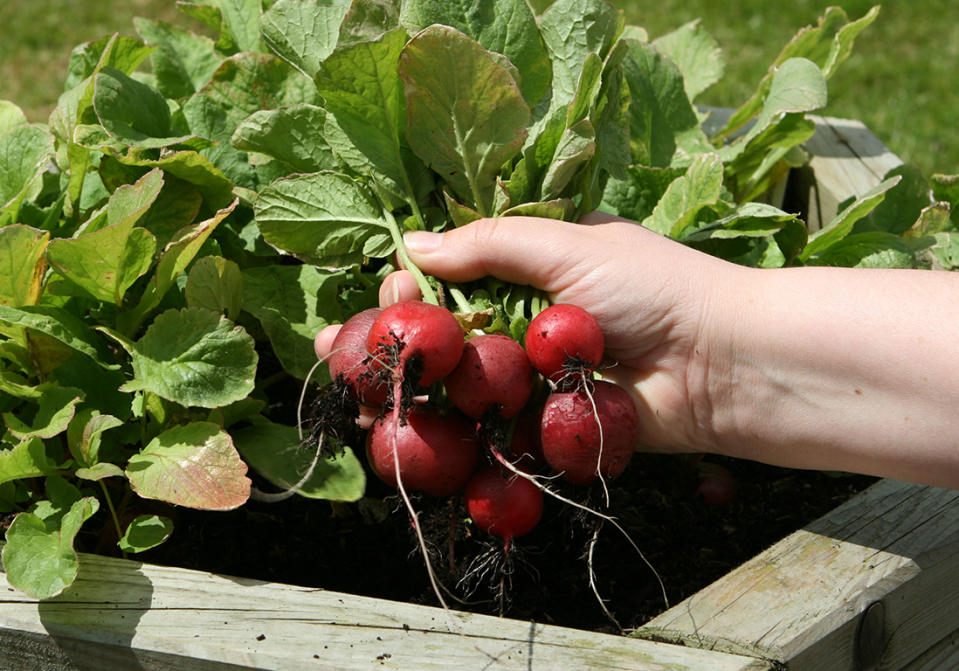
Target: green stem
<point x="429" y="296"/>
<point x="462" y="304"/>
<point x="113" y="512"/>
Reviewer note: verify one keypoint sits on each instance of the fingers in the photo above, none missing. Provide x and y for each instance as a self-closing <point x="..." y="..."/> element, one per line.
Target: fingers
<point x="521" y="250"/>
<point x="397" y="287"/>
<point x="323" y="342"/>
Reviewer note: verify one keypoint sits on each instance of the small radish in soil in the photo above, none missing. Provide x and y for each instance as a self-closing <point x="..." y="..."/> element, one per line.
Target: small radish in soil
<point x="349" y="360"/>
<point x="437" y="453"/>
<point x="420" y="341"/>
<point x="504" y="505"/>
<point x="564" y="339"/>
<point x="589" y="433"/>
<point x="493" y="374"/>
<point x="717" y="486"/>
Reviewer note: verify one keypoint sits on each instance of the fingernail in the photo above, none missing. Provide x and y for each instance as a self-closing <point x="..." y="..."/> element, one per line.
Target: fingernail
<point x="422" y="242"/>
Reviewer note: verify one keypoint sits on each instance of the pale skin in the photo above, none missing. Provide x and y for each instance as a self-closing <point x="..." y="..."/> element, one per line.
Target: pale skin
<point x="824" y="368"/>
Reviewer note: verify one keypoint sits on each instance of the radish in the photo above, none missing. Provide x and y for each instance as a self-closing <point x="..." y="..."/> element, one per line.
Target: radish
<point x="421" y="342"/>
<point x="493" y="374"/>
<point x="437" y="453"/>
<point x="589" y="433"/>
<point x="349" y="360"/>
<point x="503" y="505"/>
<point x="564" y="339"/>
<point x="717" y="486"/>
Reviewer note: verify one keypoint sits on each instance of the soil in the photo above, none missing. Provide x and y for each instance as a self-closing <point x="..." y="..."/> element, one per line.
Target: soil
<point x="367" y="548"/>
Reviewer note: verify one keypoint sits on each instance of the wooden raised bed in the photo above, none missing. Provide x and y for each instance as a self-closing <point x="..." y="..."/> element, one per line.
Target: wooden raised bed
<point x="868" y="586"/>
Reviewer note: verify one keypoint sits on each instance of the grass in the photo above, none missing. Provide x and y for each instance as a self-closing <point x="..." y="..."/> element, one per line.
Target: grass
<point x="898" y="81"/>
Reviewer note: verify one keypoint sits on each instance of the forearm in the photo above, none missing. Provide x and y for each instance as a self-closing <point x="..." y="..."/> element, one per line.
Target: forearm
<point x="840" y="369"/>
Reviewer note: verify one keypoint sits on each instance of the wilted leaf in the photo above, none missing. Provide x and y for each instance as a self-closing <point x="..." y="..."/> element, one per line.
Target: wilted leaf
<point x="22" y="264"/>
<point x="194" y="465"/>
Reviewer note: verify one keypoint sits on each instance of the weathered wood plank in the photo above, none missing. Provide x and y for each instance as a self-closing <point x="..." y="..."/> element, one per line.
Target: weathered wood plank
<point x="799" y="602"/>
<point x="846" y="160"/>
<point x="945" y="655"/>
<point x="125" y="615"/>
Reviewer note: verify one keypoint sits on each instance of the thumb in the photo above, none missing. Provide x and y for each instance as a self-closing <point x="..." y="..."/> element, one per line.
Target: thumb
<point x="521" y="250"/>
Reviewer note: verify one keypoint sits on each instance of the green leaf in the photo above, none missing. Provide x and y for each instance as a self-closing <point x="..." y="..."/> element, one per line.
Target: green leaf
<point x="99" y="472"/>
<point x="293" y="135"/>
<point x="182" y="62"/>
<point x="193" y="357"/>
<point x="60" y="325"/>
<point x="368" y="20"/>
<point x="943" y="254"/>
<point x="276" y="453"/>
<point x="53" y="415"/>
<point x="195" y="465"/>
<point x="637" y="195"/>
<point x="132" y="112"/>
<point x="241" y="19"/>
<point x="114" y="51"/>
<point x="22" y="265"/>
<point x="303" y="32"/>
<point x="663" y="125"/>
<point x="25" y="151"/>
<point x="465" y="120"/>
<point x="696" y="54"/>
<point x="782" y="236"/>
<point x="875" y="249"/>
<point x="945" y="188"/>
<point x="362" y="89"/>
<point x="191" y="167"/>
<point x="103" y="264"/>
<point x="843" y="223"/>
<point x="243" y="84"/>
<point x="903" y="205"/>
<point x="10" y="116"/>
<point x="293" y="303"/>
<point x="320" y="217"/>
<point x="575" y="148"/>
<point x="571" y="30"/>
<point x="145" y="532"/>
<point x="216" y="284"/>
<point x="173" y="261"/>
<point x="84" y="434"/>
<point x="39" y="558"/>
<point x="826" y="45"/>
<point x="505" y="27"/>
<point x="27" y="459"/>
<point x="700" y="187"/>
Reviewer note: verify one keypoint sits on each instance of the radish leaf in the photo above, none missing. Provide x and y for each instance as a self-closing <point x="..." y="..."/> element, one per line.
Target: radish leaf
<point x="193" y="465"/>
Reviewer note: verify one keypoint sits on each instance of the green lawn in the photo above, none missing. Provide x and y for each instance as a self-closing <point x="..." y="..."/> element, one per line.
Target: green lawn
<point x="899" y="80"/>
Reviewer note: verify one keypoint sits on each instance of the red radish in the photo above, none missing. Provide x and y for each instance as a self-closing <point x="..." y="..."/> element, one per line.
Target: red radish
<point x="437" y="453"/>
<point x="348" y="359"/>
<point x="422" y="340"/>
<point x="493" y="373"/>
<point x="564" y="338"/>
<point x="582" y="442"/>
<point x="503" y="505"/>
<point x="717" y="486"/>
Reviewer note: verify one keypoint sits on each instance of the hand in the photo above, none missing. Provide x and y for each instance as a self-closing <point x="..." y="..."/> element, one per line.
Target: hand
<point x="648" y="293"/>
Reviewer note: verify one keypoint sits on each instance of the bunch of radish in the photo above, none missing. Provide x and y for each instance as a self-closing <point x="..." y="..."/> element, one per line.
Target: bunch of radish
<point x="438" y="392"/>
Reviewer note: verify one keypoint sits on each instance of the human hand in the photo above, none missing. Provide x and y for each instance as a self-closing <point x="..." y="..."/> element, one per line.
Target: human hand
<point x="649" y="294"/>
